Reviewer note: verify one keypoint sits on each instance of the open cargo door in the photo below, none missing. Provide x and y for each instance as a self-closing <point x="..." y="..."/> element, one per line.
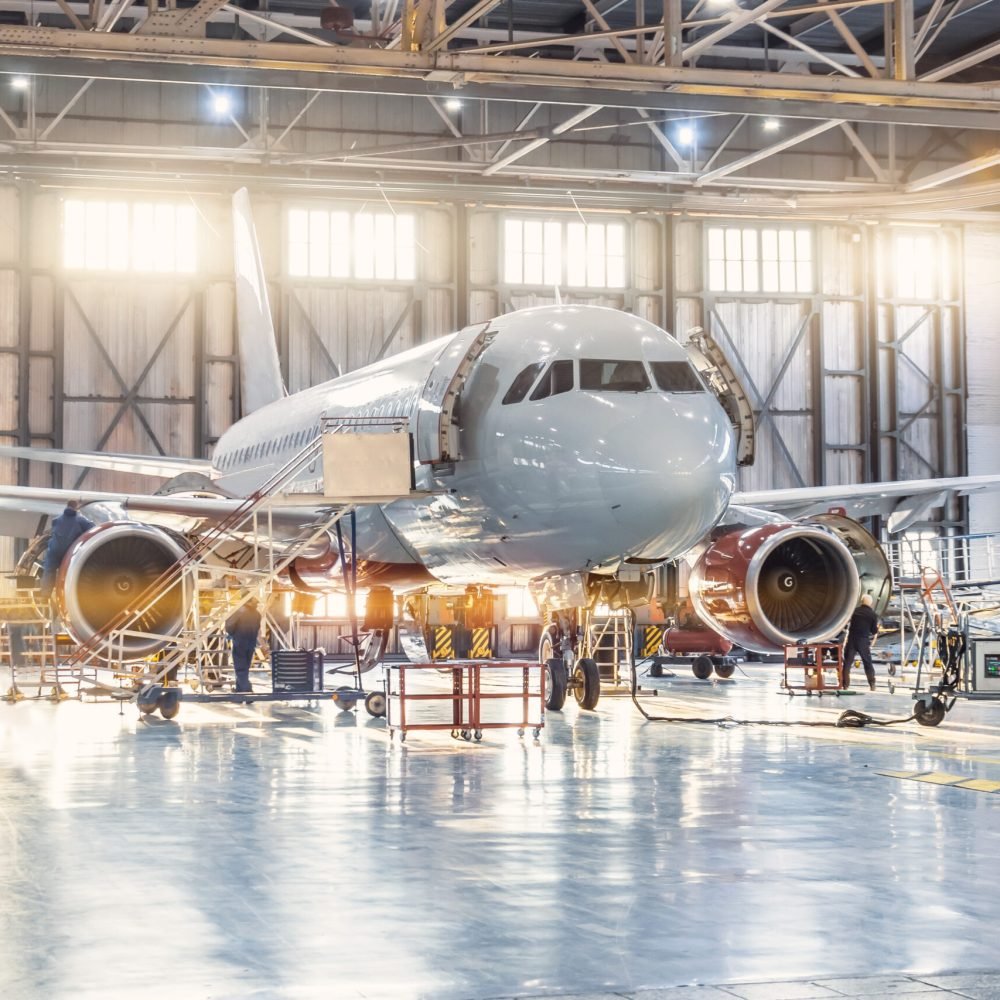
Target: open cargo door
<point x="437" y="426"/>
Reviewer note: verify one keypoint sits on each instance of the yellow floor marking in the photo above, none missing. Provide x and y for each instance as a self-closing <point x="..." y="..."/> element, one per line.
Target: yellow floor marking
<point x="981" y="785"/>
<point x="941" y="778"/>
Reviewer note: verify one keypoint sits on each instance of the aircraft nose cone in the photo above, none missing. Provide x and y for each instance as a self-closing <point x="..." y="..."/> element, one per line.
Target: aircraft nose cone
<point x="668" y="476"/>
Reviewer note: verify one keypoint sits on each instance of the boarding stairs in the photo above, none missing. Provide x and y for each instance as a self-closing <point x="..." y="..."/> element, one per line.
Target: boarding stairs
<point x="251" y="525"/>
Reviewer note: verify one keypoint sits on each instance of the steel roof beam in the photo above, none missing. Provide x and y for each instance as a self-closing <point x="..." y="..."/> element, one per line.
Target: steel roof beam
<point x="336" y="68"/>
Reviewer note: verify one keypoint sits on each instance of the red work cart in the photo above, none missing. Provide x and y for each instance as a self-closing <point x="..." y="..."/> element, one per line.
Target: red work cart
<point x="465" y="697"/>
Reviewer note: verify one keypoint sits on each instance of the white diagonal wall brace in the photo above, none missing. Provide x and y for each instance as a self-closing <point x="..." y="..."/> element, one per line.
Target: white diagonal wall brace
<point x="65" y="111"/>
<point x="852" y="42"/>
<point x="815" y="53"/>
<point x="866" y="154"/>
<point x="953" y="173"/>
<point x="71" y="14"/>
<point x="738" y="21"/>
<point x="763" y="154"/>
<point x="443" y="115"/>
<point x="283" y="29"/>
<point x="113" y="15"/>
<point x="927" y="22"/>
<point x="957" y="65"/>
<point x="560" y="129"/>
<point x="661" y="137"/>
<point x="461" y="22"/>
<point x="725" y="142"/>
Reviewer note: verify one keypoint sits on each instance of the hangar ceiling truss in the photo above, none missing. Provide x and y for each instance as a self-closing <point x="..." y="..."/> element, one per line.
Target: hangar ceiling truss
<point x="726" y="96"/>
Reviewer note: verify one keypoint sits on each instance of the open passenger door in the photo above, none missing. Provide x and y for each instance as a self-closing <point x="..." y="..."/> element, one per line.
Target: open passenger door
<point x="437" y="426"/>
<point x="708" y="357"/>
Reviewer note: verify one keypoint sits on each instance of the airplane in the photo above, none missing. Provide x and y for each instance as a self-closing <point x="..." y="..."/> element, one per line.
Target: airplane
<point x="569" y="448"/>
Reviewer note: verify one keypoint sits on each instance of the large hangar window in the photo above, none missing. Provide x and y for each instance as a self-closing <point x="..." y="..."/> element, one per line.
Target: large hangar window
<point x="157" y="237"/>
<point x="567" y="254"/>
<point x="760" y="259"/>
<point x="363" y="245"/>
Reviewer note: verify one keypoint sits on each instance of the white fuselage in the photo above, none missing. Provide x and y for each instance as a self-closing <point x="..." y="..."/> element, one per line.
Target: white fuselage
<point x="574" y="482"/>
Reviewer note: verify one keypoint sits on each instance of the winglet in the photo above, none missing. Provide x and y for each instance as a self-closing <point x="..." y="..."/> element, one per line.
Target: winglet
<point x="260" y="369"/>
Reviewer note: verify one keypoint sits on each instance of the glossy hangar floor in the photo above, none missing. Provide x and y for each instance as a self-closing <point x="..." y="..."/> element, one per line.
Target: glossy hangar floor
<point x="287" y="852"/>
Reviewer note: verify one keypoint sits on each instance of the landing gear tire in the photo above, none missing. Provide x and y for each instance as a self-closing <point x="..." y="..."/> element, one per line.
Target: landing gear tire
<point x="345" y="704"/>
<point x="587" y="684"/>
<point x="555" y="684"/>
<point x="929" y="715"/>
<point x="375" y="704"/>
<point x="170" y="703"/>
<point x="702" y="667"/>
<point x="725" y="670"/>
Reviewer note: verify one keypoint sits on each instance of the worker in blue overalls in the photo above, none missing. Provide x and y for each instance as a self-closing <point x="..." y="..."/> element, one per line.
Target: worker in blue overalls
<point x="66" y="529"/>
<point x="243" y="627"/>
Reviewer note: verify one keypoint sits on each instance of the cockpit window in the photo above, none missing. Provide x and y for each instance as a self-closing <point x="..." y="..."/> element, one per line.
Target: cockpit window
<point x="520" y="386"/>
<point x="558" y="379"/>
<point x="613" y="376"/>
<point x="676" y="376"/>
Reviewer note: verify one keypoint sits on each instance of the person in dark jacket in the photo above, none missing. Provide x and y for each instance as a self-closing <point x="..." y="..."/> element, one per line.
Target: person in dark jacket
<point x="66" y="529"/>
<point x="243" y="627"/>
<point x="863" y="628"/>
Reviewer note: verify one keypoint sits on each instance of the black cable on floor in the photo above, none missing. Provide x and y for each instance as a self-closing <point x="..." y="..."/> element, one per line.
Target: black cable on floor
<point x="849" y="719"/>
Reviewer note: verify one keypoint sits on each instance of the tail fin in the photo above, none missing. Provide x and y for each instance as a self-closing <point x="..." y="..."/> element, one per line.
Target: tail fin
<point x="260" y="369"/>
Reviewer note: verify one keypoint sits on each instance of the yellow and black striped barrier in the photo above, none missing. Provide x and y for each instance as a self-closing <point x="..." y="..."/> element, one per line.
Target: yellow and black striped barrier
<point x="482" y="644"/>
<point x="444" y="644"/>
<point x="652" y="636"/>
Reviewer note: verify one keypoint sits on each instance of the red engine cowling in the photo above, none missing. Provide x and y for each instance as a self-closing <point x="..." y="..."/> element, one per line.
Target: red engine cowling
<point x="774" y="585"/>
<point x="104" y="573"/>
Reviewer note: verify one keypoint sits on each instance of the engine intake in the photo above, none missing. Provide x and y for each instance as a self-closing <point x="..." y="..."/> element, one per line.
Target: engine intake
<point x="107" y="570"/>
<point x="775" y="585"/>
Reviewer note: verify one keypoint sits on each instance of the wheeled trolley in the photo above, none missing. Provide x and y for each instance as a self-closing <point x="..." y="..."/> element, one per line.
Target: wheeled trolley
<point x="464" y="697"/>
<point x="822" y="666"/>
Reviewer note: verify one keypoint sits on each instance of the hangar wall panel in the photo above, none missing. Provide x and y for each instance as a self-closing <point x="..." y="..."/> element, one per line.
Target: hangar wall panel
<point x="982" y="295"/>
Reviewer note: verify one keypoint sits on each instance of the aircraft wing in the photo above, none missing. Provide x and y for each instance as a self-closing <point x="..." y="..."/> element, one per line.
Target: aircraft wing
<point x="23" y="507"/>
<point x="164" y="466"/>
<point x="42" y="501"/>
<point x="903" y="503"/>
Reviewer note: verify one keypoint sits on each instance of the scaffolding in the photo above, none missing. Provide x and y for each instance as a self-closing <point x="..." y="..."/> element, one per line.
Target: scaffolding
<point x="239" y="559"/>
<point x="941" y="583"/>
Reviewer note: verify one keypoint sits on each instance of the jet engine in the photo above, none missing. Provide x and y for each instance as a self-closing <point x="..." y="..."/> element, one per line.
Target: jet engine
<point x="773" y="585"/>
<point x="107" y="570"/>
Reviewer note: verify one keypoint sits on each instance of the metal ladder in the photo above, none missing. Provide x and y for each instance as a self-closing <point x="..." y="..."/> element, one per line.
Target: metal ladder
<point x="609" y="640"/>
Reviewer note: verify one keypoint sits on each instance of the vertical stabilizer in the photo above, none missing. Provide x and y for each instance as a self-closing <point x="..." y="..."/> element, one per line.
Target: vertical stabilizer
<point x="259" y="366"/>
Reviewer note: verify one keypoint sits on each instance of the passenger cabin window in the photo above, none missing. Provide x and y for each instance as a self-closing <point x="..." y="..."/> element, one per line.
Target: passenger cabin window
<point x="675" y="376"/>
<point x="613" y="376"/>
<point x="520" y="386"/>
<point x="558" y="379"/>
